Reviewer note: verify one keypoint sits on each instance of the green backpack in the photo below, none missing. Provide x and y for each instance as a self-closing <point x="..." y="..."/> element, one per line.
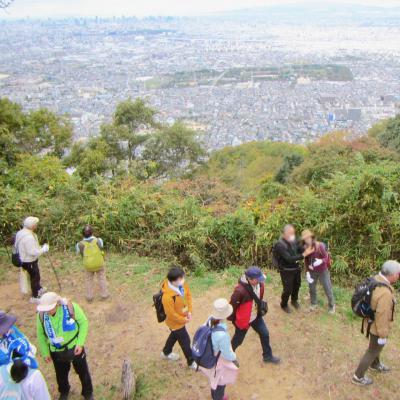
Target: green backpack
<point x="93" y="259"/>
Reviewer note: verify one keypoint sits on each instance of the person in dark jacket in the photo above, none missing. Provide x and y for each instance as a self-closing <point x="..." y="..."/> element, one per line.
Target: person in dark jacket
<point x="248" y="311"/>
<point x="288" y="254"/>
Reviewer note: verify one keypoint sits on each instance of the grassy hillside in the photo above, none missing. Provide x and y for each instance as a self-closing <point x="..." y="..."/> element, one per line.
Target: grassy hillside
<point x="248" y="166"/>
<point x="319" y="351"/>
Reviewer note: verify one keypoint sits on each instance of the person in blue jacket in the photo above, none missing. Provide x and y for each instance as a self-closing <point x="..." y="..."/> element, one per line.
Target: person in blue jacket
<point x="13" y="340"/>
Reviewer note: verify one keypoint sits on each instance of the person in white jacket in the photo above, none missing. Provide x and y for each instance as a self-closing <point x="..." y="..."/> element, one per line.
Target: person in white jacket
<point x="19" y="382"/>
<point x="27" y="246"/>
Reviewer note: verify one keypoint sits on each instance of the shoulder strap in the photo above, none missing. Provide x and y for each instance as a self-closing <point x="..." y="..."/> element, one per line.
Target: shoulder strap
<point x="253" y="295"/>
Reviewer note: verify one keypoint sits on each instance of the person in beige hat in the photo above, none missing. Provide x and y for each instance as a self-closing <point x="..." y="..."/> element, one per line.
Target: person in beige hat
<point x="62" y="328"/>
<point x="27" y="246"/>
<point x="317" y="264"/>
<point x="226" y="369"/>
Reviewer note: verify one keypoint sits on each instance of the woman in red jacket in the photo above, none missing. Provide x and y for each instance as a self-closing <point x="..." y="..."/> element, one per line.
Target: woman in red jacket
<point x="249" y="309"/>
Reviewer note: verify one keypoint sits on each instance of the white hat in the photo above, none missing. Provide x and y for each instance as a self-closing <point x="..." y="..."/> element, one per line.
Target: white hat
<point x="48" y="301"/>
<point x="222" y="309"/>
<point x="30" y="222"/>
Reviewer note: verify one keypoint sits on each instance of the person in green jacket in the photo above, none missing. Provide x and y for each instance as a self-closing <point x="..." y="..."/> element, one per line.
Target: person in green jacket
<point x="62" y="328"/>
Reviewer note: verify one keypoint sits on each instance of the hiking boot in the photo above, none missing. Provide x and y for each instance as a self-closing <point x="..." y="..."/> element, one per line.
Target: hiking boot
<point x="104" y="298"/>
<point x="286" y="309"/>
<point x="88" y="397"/>
<point x="364" y="381"/>
<point x="193" y="366"/>
<point x="272" y="360"/>
<point x="296" y="305"/>
<point x="313" y="307"/>
<point x="89" y="300"/>
<point x="382" y="368"/>
<point x="63" y="396"/>
<point x="170" y="357"/>
<point x="332" y="310"/>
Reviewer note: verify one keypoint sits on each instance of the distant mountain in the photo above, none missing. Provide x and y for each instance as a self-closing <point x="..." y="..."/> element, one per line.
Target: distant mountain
<point x="331" y="14"/>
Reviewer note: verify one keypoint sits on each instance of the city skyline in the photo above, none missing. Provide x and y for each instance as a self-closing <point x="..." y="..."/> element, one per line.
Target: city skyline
<point x="87" y="8"/>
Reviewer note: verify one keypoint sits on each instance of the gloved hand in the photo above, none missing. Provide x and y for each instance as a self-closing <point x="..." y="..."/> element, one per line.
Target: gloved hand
<point x="317" y="262"/>
<point x="309" y="279"/>
<point x="45" y="248"/>
<point x="382" y="341"/>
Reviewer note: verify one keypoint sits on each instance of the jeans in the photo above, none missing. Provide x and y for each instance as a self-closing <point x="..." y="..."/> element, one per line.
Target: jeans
<point x="291" y="281"/>
<point x="101" y="275"/>
<point x="218" y="393"/>
<point x="81" y="368"/>
<point x="259" y="326"/>
<point x="371" y="356"/>
<point x="325" y="278"/>
<point x="34" y="276"/>
<point x="182" y="337"/>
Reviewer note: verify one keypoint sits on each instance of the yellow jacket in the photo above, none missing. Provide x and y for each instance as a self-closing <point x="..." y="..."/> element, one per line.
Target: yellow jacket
<point x="382" y="302"/>
<point x="176" y="307"/>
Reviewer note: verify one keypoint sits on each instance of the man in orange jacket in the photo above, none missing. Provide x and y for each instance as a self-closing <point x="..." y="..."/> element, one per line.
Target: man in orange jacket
<point x="177" y="302"/>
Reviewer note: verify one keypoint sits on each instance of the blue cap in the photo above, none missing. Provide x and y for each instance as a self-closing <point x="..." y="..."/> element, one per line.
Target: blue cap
<point x="255" y="273"/>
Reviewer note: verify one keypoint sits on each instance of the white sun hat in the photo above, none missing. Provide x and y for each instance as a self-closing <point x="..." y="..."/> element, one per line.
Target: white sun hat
<point x="221" y="309"/>
<point x="48" y="301"/>
<point x="30" y="222"/>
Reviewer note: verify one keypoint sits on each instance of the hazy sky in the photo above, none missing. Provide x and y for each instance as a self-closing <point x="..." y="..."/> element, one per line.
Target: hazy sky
<point x="48" y="8"/>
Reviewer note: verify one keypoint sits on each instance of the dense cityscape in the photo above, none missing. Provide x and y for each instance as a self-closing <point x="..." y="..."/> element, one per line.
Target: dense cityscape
<point x="84" y="67"/>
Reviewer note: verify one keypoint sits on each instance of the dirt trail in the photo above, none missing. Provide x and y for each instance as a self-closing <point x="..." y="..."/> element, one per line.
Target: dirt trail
<point x="125" y="325"/>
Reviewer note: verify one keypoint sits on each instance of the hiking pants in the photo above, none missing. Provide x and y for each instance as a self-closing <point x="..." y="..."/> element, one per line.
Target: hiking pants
<point x="291" y="281"/>
<point x="325" y="278"/>
<point x="81" y="368"/>
<point x="371" y="356"/>
<point x="101" y="276"/>
<point x="218" y="393"/>
<point x="32" y="268"/>
<point x="259" y="326"/>
<point x="182" y="337"/>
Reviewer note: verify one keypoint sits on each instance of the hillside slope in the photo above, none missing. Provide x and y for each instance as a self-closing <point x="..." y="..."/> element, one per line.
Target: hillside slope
<point x="319" y="352"/>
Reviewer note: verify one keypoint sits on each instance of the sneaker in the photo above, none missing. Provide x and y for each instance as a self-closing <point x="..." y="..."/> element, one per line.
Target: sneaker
<point x="382" y="368"/>
<point x="89" y="300"/>
<point x="286" y="309"/>
<point x="364" y="381"/>
<point x="170" y="357"/>
<point x="313" y="307"/>
<point x="193" y="366"/>
<point x="104" y="298"/>
<point x="88" y="397"/>
<point x="296" y="305"/>
<point x="34" y="300"/>
<point x="42" y="291"/>
<point x="332" y="310"/>
<point x="272" y="360"/>
<point x="63" y="396"/>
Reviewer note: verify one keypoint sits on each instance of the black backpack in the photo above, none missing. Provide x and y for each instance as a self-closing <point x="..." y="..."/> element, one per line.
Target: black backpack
<point x="275" y="256"/>
<point x="15" y="258"/>
<point x="159" y="307"/>
<point x="361" y="301"/>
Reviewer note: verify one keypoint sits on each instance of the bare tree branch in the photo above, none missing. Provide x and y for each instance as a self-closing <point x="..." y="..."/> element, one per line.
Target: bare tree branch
<point x="5" y="3"/>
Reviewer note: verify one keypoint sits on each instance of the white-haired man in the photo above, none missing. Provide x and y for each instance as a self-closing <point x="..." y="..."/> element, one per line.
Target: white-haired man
<point x="28" y="248"/>
<point x="382" y="303"/>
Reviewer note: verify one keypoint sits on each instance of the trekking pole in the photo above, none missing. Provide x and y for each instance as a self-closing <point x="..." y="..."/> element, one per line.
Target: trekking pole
<point x="55" y="272"/>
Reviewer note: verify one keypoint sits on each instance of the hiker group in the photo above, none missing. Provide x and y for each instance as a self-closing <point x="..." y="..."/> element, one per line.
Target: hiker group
<point x="62" y="326"/>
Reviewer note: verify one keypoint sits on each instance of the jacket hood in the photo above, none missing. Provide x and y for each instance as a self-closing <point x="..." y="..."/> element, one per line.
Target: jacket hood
<point x="168" y="291"/>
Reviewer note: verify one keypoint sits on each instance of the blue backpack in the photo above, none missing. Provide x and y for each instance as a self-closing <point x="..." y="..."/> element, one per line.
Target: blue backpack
<point x="202" y="349"/>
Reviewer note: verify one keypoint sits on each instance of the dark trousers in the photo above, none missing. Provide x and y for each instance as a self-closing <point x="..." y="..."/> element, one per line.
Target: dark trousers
<point x="291" y="281"/>
<point x="34" y="276"/>
<point x="182" y="337"/>
<point x="259" y="326"/>
<point x="81" y="368"/>
<point x="371" y="356"/>
<point x="218" y="393"/>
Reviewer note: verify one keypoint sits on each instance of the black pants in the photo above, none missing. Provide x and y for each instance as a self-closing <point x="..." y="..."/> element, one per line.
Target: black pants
<point x="81" y="368"/>
<point x="291" y="281"/>
<point x="182" y="337"/>
<point x="218" y="393"/>
<point x="259" y="326"/>
<point x="34" y="276"/>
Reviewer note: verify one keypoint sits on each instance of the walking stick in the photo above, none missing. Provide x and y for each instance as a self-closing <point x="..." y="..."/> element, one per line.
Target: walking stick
<point x="55" y="272"/>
